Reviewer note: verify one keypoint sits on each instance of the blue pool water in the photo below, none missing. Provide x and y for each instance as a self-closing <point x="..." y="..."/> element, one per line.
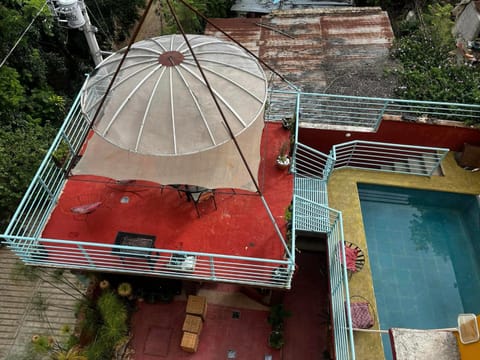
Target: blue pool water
<point x="424" y="251"/>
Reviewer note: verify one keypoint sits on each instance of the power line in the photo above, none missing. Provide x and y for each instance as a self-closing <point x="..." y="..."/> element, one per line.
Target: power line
<point x="104" y="30"/>
<point x="23" y="34"/>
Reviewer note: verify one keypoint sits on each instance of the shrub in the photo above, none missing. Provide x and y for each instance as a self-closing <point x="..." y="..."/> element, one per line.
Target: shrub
<point x="112" y="326"/>
<point x="429" y="72"/>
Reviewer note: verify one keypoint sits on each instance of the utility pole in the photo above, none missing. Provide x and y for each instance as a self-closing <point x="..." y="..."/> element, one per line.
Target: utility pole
<point x="73" y="15"/>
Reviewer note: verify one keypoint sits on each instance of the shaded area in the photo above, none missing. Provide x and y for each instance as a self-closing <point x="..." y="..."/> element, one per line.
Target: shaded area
<point x="308" y="329"/>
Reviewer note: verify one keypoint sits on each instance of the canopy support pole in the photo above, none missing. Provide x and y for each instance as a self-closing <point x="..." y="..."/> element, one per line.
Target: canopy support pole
<point x="244" y="160"/>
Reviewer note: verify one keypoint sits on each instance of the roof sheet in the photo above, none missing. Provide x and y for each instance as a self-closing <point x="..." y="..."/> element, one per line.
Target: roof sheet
<point x="319" y="49"/>
<point x="267" y="6"/>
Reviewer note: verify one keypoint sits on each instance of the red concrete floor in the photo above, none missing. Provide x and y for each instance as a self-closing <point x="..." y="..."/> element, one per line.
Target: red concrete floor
<point x="239" y="226"/>
<point x="157" y="327"/>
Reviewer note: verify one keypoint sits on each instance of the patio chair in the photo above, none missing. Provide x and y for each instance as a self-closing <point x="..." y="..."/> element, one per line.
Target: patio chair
<point x="469" y="157"/>
<point x="204" y="195"/>
<point x="361" y="312"/>
<point x="81" y="205"/>
<point x="355" y="258"/>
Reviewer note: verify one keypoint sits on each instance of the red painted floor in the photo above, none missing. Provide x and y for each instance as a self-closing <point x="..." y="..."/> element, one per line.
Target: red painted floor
<point x="157" y="327"/>
<point x="239" y="226"/>
<point x="157" y="333"/>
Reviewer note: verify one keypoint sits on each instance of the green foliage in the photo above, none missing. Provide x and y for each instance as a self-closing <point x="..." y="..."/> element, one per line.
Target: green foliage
<point x="112" y="326"/>
<point x="429" y="71"/>
<point x="277" y="315"/>
<point x="191" y="23"/>
<point x="439" y="23"/>
<point x="276" y="340"/>
<point x="114" y="18"/>
<point x="12" y="94"/>
<point x="73" y="353"/>
<point x="21" y="150"/>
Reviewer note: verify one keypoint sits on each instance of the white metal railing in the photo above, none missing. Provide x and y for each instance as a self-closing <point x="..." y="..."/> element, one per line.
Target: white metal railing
<point x="311" y="163"/>
<point x="339" y="292"/>
<point x="41" y="196"/>
<point x="23" y="234"/>
<point x="397" y="158"/>
<point x="155" y="262"/>
<point x="359" y="113"/>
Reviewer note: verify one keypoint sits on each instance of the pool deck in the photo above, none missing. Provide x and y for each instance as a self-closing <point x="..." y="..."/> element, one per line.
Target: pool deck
<point x="343" y="196"/>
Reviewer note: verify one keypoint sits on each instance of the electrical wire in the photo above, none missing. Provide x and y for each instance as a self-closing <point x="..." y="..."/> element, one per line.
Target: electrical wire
<point x="114" y="77"/>
<point x="103" y="30"/>
<point x="23" y="34"/>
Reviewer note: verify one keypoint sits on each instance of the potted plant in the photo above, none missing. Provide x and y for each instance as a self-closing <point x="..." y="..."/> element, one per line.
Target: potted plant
<point x="60" y="155"/>
<point x="276" y="340"/>
<point x="289" y="122"/>
<point x="124" y="289"/>
<point x="275" y="319"/>
<point x="283" y="160"/>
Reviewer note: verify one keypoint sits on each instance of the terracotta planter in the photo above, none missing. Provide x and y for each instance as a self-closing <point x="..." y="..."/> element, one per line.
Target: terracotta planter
<point x="283" y="162"/>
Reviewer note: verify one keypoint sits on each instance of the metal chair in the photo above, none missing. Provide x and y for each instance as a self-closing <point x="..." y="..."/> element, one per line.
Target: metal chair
<point x="202" y="196"/>
<point x="361" y="312"/>
<point x="355" y="258"/>
<point x="81" y="206"/>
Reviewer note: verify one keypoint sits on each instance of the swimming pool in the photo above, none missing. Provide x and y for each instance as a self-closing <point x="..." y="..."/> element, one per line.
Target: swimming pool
<point x="424" y="251"/>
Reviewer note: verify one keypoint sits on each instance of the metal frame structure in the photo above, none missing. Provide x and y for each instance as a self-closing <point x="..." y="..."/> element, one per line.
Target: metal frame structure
<point x="311" y="170"/>
<point x="358" y="113"/>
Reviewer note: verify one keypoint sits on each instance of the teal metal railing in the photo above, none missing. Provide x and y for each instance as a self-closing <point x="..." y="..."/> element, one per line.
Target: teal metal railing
<point x="339" y="292"/>
<point x="41" y="196"/>
<point x="156" y="262"/>
<point x="406" y="159"/>
<point x="311" y="170"/>
<point x="23" y="234"/>
<point x="359" y="113"/>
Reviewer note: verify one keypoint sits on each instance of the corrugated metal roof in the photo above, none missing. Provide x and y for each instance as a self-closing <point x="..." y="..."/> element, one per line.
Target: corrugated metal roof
<point x="267" y="6"/>
<point x="332" y="49"/>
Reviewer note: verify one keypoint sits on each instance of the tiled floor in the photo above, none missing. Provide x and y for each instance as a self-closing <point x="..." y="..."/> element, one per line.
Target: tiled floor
<point x="236" y="327"/>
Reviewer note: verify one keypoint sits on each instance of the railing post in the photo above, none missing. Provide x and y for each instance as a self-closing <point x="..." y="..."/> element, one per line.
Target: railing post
<point x="380" y="116"/>
<point x="85" y="254"/>
<point x="212" y="268"/>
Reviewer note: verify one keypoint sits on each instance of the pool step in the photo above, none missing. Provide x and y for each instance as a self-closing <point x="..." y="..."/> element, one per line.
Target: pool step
<point x="415" y="165"/>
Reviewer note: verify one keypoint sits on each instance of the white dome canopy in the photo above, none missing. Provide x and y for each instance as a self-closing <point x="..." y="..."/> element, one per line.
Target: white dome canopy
<point x="160" y="104"/>
<point x="160" y="122"/>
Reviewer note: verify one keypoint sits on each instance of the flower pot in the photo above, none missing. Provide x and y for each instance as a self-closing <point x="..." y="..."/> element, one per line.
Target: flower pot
<point x="283" y="162"/>
<point x="276" y="340"/>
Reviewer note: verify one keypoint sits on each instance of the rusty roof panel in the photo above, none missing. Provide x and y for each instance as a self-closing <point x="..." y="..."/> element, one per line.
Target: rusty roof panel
<point x="243" y="30"/>
<point x="314" y="47"/>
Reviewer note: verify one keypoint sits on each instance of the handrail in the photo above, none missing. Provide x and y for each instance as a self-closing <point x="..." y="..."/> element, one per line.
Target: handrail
<point x="398" y="158"/>
<point x="357" y="112"/>
<point x="158" y="262"/>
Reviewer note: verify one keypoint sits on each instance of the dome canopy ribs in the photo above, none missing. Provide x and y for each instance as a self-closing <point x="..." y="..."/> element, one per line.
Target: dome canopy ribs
<point x="160" y="111"/>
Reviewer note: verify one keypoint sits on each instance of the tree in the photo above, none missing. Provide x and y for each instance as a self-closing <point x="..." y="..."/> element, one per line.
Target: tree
<point x="429" y="71"/>
<point x="21" y="150"/>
